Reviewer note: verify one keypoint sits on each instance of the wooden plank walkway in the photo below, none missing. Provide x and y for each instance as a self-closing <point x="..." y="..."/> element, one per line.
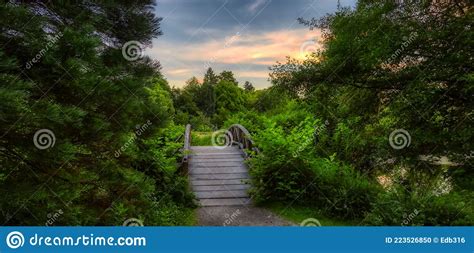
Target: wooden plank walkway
<point x="219" y="176"/>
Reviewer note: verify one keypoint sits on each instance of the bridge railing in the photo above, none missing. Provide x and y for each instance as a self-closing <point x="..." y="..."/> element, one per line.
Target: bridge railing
<point x="240" y="136"/>
<point x="186" y="147"/>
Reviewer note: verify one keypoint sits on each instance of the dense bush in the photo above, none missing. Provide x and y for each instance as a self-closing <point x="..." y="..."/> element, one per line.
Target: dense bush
<point x="305" y="161"/>
<point x="288" y="170"/>
<point x="401" y="208"/>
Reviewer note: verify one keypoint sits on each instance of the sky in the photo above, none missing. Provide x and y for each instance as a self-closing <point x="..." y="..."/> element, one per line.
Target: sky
<point x="244" y="36"/>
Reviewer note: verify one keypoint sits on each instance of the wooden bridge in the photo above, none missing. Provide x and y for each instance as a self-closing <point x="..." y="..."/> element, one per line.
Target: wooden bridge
<point x="218" y="174"/>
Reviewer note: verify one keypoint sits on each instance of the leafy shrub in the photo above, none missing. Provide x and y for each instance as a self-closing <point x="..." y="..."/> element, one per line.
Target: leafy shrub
<point x="340" y="190"/>
<point x="165" y="190"/>
<point x="288" y="170"/>
<point x="251" y="120"/>
<point x="399" y="208"/>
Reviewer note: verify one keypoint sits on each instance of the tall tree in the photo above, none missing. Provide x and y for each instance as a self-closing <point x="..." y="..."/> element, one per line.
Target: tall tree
<point x="406" y="64"/>
<point x="75" y="89"/>
<point x="210" y="77"/>
<point x="229" y="99"/>
<point x="193" y="81"/>
<point x="227" y="76"/>
<point x="248" y="86"/>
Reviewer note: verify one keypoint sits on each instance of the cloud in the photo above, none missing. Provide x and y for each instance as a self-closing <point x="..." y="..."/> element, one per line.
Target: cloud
<point x="247" y="54"/>
<point x="179" y="71"/>
<point x="252" y="8"/>
<point x="253" y="74"/>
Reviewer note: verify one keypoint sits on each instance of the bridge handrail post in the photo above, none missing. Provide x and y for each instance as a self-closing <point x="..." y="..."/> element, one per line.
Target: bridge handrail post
<point x="186" y="146"/>
<point x="241" y="137"/>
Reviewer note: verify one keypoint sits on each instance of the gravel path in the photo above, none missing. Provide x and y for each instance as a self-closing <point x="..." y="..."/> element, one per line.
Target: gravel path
<point x="238" y="216"/>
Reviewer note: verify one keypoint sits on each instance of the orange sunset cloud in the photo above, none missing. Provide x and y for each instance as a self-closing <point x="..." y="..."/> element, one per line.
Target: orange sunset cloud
<point x="244" y="50"/>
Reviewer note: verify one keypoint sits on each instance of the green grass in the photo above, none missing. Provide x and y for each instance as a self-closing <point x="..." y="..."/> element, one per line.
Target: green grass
<point x="201" y="138"/>
<point x="298" y="214"/>
<point x="190" y="219"/>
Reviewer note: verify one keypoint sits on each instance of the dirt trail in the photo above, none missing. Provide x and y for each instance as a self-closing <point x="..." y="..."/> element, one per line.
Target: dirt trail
<point x="238" y="216"/>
